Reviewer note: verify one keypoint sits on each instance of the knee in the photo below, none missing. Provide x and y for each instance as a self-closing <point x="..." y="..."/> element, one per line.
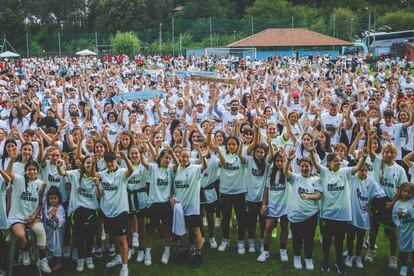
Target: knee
<point x="40" y="234"/>
<point x="19" y="232"/>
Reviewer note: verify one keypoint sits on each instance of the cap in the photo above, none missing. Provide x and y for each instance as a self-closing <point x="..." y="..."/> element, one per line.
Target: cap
<point x="109" y="156"/>
<point x="200" y="102"/>
<point x="295" y="94"/>
<point x="388" y="113"/>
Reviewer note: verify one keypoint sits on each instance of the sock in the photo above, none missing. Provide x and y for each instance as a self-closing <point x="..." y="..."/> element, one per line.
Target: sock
<point x="148" y="251"/>
<point x="125" y="266"/>
<point x="135" y="235"/>
<point x="198" y="252"/>
<point x="167" y="249"/>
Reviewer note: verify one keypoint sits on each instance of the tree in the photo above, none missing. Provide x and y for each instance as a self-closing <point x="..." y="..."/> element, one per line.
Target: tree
<point x="340" y="22"/>
<point x="398" y="21"/>
<point x="125" y="43"/>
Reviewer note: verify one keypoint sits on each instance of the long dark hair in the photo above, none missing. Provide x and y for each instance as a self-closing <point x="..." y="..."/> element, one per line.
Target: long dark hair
<point x="162" y="153"/>
<point x="26" y="166"/>
<point x="5" y="154"/>
<point x="261" y="164"/>
<point x="275" y="169"/>
<point x="20" y="157"/>
<point x="19" y="116"/>
<point x="53" y="190"/>
<point x="232" y="138"/>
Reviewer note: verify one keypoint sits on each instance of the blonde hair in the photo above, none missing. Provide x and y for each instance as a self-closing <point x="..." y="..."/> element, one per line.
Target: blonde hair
<point x="386" y="147"/>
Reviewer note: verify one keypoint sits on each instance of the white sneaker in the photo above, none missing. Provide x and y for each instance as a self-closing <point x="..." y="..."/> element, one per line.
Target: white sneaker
<point x="403" y="270"/>
<point x="44" y="266"/>
<point x="213" y="243"/>
<point x="140" y="256"/>
<point x="89" y="263"/>
<point x="358" y="262"/>
<point x="114" y="262"/>
<point x="223" y="245"/>
<point x="369" y="257"/>
<point x="283" y="255"/>
<point x="252" y="246"/>
<point x="135" y="240"/>
<point x="165" y="257"/>
<point x="130" y="253"/>
<point x="349" y="261"/>
<point x="240" y="247"/>
<point x="147" y="259"/>
<point x="204" y="221"/>
<point x="263" y="256"/>
<point x="309" y="264"/>
<point x="392" y="264"/>
<point x="217" y="222"/>
<point x="297" y="262"/>
<point x="66" y="251"/>
<point x="80" y="265"/>
<point x="26" y="258"/>
<point x="124" y="272"/>
<point x="111" y="250"/>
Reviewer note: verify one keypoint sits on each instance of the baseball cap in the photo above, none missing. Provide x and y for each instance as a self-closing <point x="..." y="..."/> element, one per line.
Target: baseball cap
<point x="295" y="94"/>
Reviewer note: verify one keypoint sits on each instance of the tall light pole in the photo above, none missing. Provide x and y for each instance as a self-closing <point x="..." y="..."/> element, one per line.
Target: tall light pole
<point x="160" y="37"/>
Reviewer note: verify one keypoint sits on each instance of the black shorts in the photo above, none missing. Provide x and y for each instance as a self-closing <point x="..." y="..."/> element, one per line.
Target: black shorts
<point x="117" y="225"/>
<point x="193" y="221"/>
<point x="160" y="212"/>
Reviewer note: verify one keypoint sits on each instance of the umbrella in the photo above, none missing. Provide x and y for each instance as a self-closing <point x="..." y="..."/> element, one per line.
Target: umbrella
<point x="86" y="53"/>
<point x="9" y="54"/>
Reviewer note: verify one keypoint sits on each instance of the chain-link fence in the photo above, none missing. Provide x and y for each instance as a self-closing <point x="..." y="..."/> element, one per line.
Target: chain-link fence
<point x="172" y="37"/>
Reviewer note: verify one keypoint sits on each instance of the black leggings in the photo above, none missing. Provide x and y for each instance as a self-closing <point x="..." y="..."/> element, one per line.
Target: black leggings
<point x="3" y="250"/>
<point x="84" y="227"/>
<point x="253" y="209"/>
<point x="351" y="233"/>
<point x="237" y="202"/>
<point x="333" y="229"/>
<point x="404" y="257"/>
<point x="303" y="233"/>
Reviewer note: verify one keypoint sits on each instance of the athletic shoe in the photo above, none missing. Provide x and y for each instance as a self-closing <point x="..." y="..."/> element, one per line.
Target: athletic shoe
<point x="111" y="250"/>
<point x="369" y="257"/>
<point x="165" y="257"/>
<point x="89" y="263"/>
<point x="392" y="264"/>
<point x="283" y="255"/>
<point x="114" y="262"/>
<point x="213" y="243"/>
<point x="309" y="264"/>
<point x="80" y="265"/>
<point x="403" y="270"/>
<point x="135" y="240"/>
<point x="66" y="251"/>
<point x="325" y="267"/>
<point x="345" y="253"/>
<point x="99" y="251"/>
<point x="223" y="245"/>
<point x="140" y="256"/>
<point x="297" y="262"/>
<point x="252" y="245"/>
<point x="240" y="247"/>
<point x="349" y="261"/>
<point x="147" y="259"/>
<point x="263" y="256"/>
<point x="26" y="258"/>
<point x="124" y="272"/>
<point x="358" y="262"/>
<point x="44" y="266"/>
<point x="217" y="222"/>
<point x="130" y="253"/>
<point x="197" y="261"/>
<point x="340" y="268"/>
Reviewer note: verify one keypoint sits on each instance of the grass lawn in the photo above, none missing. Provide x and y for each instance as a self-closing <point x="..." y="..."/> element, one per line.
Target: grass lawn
<point x="230" y="263"/>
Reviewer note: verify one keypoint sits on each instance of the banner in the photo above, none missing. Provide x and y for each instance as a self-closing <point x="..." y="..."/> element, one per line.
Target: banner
<point x="121" y="85"/>
<point x="188" y="74"/>
<point x="210" y="79"/>
<point x="137" y="95"/>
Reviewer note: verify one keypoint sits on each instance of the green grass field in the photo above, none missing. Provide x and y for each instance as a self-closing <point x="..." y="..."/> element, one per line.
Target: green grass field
<point x="230" y="263"/>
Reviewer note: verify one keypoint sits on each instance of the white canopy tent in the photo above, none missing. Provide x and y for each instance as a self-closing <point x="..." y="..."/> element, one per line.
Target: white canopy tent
<point x="9" y="54"/>
<point x="86" y="53"/>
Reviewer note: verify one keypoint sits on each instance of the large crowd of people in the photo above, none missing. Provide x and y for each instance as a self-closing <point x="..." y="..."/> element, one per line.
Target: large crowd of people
<point x="303" y="143"/>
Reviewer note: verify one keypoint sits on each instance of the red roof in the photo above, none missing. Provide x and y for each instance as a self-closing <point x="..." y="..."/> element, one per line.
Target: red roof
<point x="288" y="37"/>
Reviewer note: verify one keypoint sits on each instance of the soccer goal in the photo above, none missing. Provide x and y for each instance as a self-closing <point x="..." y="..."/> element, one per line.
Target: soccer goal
<point x="231" y="52"/>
